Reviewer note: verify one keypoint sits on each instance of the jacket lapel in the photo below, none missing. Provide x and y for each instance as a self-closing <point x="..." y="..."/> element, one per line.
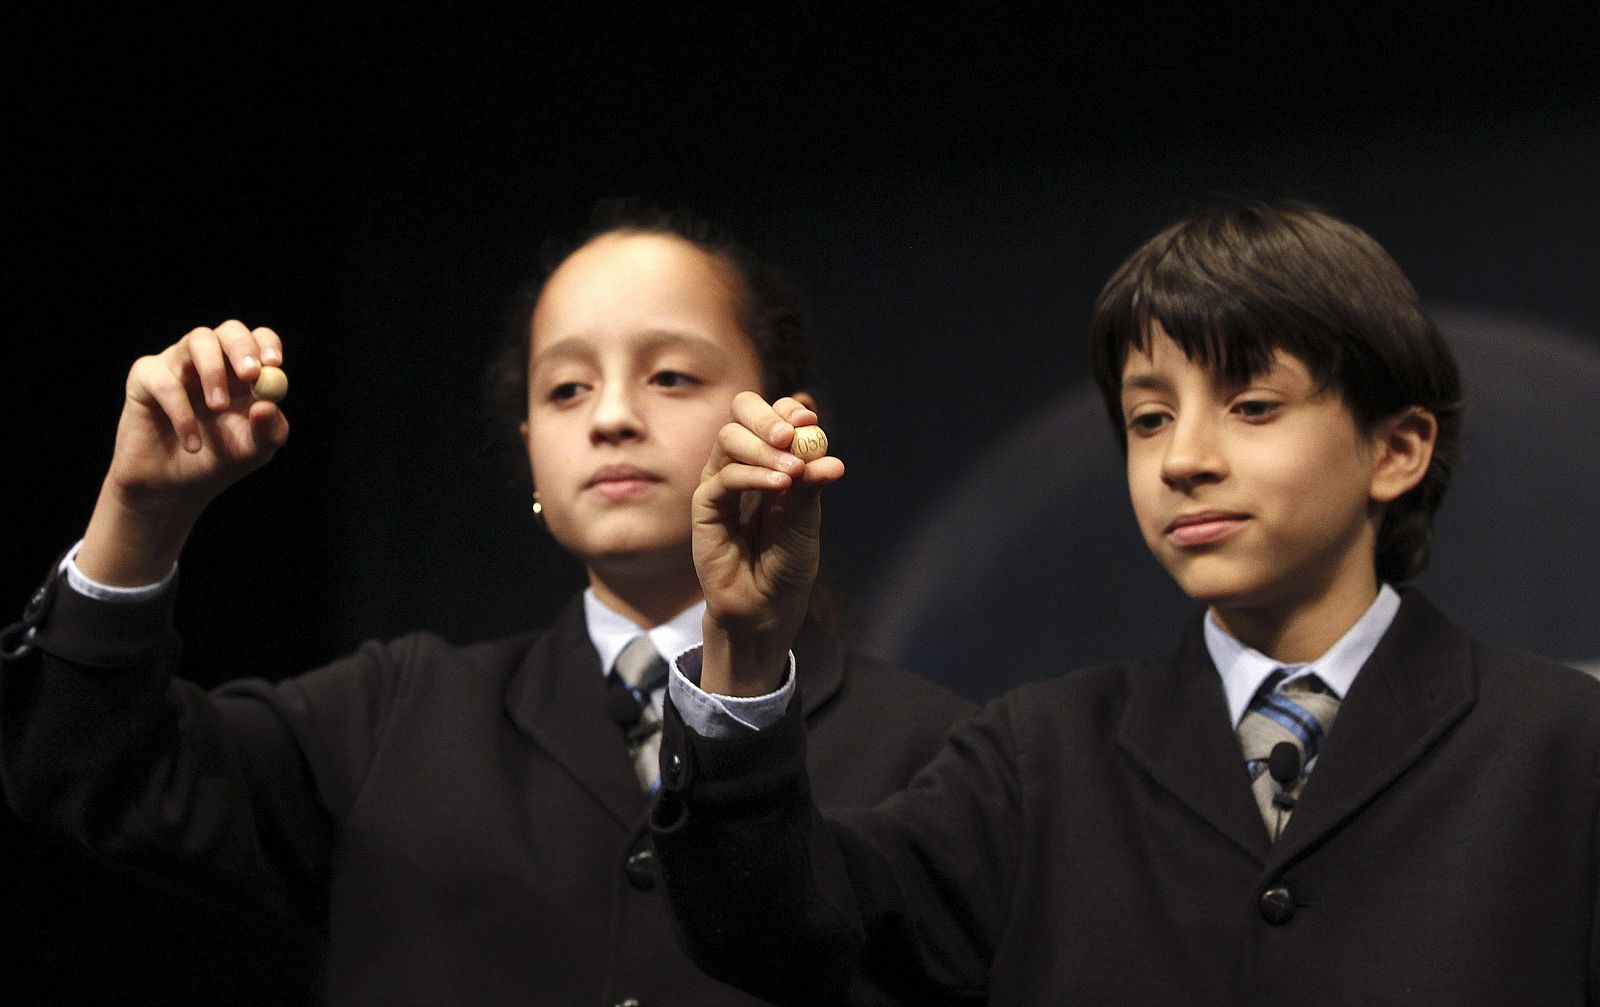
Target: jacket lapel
<point x="557" y="698"/>
<point x="1416" y="685"/>
<point x="1176" y="728"/>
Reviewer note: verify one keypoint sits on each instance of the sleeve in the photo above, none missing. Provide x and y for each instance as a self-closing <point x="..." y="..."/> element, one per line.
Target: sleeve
<point x="715" y="716"/>
<point x="773" y="897"/>
<point x="232" y="792"/>
<point x="81" y="583"/>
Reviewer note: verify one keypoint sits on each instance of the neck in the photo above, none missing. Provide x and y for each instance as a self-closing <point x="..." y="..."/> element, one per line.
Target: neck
<point x="645" y="601"/>
<point x="1300" y="631"/>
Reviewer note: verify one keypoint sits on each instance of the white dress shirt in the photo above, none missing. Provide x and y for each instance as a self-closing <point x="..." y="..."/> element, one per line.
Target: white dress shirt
<point x="1242" y="668"/>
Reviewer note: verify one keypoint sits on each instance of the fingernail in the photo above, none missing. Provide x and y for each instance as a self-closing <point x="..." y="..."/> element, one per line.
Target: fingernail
<point x="192" y="442"/>
<point x="270" y="356"/>
<point x="250" y="362"/>
<point x="219" y="399"/>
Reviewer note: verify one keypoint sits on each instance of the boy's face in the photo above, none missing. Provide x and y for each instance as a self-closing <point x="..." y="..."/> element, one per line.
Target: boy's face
<point x="1260" y="497"/>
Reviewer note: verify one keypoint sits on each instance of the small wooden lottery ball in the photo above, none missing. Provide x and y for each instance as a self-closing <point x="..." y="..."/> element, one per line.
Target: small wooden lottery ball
<point x="809" y="443"/>
<point x="272" y="385"/>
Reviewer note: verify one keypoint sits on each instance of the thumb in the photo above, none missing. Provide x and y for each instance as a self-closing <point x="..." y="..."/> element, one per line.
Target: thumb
<point x="268" y="425"/>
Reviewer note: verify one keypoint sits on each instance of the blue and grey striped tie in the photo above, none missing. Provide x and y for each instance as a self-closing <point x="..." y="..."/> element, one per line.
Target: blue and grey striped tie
<point x="1299" y="713"/>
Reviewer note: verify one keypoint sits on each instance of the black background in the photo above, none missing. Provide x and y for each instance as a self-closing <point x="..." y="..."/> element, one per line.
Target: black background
<point x="949" y="186"/>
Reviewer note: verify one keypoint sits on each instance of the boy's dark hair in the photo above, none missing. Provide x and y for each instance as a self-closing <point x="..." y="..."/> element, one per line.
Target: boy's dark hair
<point x="768" y="307"/>
<point x="1234" y="281"/>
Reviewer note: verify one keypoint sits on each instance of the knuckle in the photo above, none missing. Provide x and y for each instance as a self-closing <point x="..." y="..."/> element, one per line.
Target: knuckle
<point x="160" y="380"/>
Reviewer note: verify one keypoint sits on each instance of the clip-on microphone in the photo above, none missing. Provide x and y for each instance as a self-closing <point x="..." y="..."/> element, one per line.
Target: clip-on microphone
<point x="1283" y="765"/>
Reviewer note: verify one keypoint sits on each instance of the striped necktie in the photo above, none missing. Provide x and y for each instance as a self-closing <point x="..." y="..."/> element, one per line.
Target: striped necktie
<point x="638" y="672"/>
<point x="1300" y="714"/>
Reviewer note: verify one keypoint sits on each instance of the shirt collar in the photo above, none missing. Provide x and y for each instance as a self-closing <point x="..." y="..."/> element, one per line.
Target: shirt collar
<point x="610" y="630"/>
<point x="1243" y="668"/>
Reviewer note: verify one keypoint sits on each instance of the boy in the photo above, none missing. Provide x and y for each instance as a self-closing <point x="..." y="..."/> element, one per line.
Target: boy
<point x="1330" y="794"/>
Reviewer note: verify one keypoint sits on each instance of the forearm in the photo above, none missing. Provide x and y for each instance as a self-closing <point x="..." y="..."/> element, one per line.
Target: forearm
<point x="88" y="691"/>
<point x="734" y="831"/>
<point x="787" y="903"/>
<point x="103" y="746"/>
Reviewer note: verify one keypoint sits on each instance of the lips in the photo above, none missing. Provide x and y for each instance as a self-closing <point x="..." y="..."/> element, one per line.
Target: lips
<point x="618" y="482"/>
<point x="1204" y="527"/>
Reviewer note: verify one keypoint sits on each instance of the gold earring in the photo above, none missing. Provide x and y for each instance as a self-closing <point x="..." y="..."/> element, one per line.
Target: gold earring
<point x="538" y="509"/>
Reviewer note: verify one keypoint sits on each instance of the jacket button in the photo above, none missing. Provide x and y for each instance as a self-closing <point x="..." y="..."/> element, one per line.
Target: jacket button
<point x="641" y="870"/>
<point x="1277" y="906"/>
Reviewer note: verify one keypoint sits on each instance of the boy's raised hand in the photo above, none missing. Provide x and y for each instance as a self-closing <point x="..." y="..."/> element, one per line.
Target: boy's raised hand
<point x="757" y="519"/>
<point x="190" y="428"/>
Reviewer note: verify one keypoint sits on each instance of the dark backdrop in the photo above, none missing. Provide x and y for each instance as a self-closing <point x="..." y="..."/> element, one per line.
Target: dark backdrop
<point x="949" y="189"/>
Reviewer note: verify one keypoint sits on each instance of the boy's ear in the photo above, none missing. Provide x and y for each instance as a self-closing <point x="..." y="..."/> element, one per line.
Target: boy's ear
<point x="1402" y="448"/>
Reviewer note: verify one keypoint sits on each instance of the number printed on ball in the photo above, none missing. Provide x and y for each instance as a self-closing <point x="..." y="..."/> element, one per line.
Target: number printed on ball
<point x="809" y="444"/>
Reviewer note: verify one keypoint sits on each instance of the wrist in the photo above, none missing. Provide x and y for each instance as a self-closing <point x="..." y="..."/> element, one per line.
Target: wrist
<point x="742" y="665"/>
<point x="131" y="546"/>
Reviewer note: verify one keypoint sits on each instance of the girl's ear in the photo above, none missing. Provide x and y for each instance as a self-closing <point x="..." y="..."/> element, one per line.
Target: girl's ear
<point x="1402" y="448"/>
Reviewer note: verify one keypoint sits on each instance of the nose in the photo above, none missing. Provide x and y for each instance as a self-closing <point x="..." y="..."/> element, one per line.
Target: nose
<point x="1194" y="453"/>
<point x="617" y="416"/>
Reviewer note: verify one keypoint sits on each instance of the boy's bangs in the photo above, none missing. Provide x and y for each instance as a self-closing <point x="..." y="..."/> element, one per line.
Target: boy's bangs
<point x="1234" y="337"/>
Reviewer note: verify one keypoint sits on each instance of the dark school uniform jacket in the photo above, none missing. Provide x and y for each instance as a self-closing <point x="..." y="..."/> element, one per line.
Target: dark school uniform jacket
<point x="1094" y="840"/>
<point x="464" y="821"/>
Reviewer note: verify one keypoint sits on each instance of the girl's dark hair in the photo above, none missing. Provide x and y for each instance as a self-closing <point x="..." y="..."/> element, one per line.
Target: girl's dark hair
<point x="1234" y="281"/>
<point x="769" y="310"/>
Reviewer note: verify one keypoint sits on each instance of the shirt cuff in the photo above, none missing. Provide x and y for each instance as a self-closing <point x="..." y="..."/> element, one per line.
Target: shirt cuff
<point x="105" y="592"/>
<point x="712" y="716"/>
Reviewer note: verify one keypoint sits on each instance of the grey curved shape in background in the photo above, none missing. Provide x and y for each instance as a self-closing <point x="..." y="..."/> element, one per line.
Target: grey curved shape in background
<point x="1032" y="564"/>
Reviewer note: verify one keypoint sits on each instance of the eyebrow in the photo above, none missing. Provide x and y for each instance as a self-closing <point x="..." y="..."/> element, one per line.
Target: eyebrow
<point x="580" y="346"/>
<point x="1148" y="381"/>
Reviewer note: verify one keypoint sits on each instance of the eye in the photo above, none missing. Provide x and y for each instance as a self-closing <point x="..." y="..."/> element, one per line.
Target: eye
<point x="1148" y="422"/>
<point x="565" y="391"/>
<point x="1256" y="410"/>
<point x="674" y="379"/>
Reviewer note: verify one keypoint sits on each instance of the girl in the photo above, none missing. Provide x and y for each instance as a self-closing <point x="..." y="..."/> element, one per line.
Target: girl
<point x="468" y="823"/>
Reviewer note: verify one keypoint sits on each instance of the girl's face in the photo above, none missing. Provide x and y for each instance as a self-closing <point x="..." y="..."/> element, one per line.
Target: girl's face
<point x="636" y="352"/>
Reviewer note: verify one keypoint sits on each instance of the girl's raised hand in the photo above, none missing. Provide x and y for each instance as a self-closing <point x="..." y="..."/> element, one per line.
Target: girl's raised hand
<point x="189" y="429"/>
<point x="757" y="522"/>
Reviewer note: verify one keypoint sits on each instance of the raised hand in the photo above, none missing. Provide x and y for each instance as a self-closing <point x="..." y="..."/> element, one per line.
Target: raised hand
<point x="757" y="524"/>
<point x="189" y="429"/>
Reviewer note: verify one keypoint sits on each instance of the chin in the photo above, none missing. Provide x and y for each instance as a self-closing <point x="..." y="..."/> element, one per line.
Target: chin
<point x="1210" y="586"/>
<point x="639" y="555"/>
